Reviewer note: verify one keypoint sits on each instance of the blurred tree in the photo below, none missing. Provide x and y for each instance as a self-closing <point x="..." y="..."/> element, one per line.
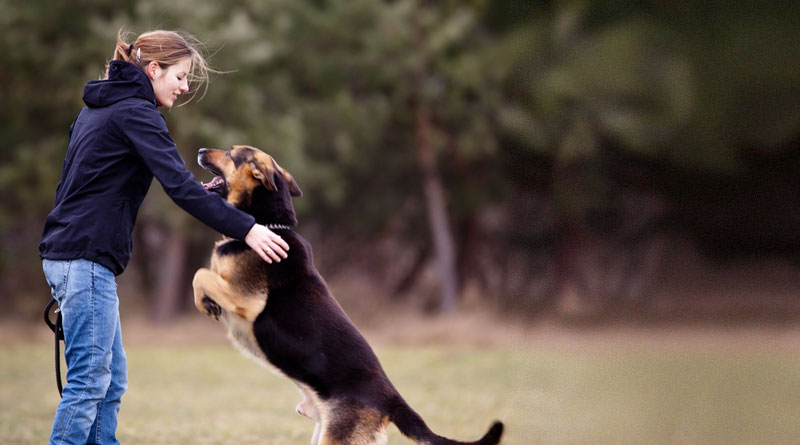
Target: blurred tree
<point x="602" y="82"/>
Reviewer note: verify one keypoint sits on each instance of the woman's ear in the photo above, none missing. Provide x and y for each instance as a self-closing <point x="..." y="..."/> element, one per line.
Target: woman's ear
<point x="153" y="70"/>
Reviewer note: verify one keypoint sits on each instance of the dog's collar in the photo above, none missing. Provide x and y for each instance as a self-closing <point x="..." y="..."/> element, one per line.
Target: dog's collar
<point x="278" y="226"/>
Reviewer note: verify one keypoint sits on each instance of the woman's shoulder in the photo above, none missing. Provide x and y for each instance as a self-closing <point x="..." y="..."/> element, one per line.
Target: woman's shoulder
<point x="139" y="104"/>
<point x="138" y="109"/>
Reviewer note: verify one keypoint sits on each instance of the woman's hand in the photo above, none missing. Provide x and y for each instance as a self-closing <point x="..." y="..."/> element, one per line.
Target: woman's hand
<point x="266" y="243"/>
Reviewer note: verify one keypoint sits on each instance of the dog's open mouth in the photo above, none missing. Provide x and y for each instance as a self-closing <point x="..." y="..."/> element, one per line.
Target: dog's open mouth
<point x="215" y="185"/>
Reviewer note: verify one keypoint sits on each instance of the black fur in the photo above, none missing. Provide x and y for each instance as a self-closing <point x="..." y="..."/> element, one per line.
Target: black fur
<point x="302" y="330"/>
<point x="232" y="247"/>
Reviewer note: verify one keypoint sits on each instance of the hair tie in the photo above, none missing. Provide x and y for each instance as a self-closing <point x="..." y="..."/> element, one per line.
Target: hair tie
<point x="130" y="49"/>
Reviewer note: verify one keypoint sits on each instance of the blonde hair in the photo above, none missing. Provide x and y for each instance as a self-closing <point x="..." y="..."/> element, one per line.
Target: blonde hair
<point x="166" y="48"/>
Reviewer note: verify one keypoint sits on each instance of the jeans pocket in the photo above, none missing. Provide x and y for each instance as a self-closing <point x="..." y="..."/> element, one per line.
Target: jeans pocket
<point x="56" y="273"/>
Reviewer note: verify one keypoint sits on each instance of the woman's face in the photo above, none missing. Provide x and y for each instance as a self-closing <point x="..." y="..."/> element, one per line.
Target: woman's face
<point x="170" y="82"/>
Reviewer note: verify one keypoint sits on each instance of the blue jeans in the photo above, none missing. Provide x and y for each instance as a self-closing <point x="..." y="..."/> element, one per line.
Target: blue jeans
<point x="96" y="364"/>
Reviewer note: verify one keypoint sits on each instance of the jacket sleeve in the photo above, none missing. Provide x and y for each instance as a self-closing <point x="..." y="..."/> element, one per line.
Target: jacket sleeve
<point x="146" y="130"/>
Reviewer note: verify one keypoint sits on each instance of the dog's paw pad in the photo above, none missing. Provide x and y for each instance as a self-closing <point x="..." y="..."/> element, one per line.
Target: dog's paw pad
<point x="212" y="308"/>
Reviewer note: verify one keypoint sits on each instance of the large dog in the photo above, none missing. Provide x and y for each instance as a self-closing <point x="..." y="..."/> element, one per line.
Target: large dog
<point x="284" y="315"/>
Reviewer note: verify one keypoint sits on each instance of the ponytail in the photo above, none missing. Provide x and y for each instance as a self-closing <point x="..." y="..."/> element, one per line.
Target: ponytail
<point x="166" y="48"/>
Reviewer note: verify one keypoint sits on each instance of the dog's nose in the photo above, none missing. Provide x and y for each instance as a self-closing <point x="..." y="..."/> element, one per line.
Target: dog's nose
<point x="200" y="154"/>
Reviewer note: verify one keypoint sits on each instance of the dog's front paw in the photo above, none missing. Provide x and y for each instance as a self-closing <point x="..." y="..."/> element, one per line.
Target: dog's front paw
<point x="212" y="308"/>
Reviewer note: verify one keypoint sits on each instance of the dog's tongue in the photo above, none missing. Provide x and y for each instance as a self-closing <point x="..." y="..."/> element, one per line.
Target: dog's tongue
<point x="214" y="182"/>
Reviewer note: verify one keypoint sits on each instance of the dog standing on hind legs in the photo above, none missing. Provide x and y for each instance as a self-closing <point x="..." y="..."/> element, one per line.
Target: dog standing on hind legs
<point x="283" y="314"/>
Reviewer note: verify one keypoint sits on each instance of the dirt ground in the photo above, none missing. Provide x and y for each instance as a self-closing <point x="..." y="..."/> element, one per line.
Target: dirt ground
<point x="470" y="330"/>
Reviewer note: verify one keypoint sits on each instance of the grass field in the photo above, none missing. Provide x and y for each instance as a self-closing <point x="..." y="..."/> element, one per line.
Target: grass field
<point x="614" y="388"/>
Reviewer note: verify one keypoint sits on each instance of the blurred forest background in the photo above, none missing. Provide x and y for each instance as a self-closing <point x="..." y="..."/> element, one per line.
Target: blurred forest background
<point x="569" y="159"/>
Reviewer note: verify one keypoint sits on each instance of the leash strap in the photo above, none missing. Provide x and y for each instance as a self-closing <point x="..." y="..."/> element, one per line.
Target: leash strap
<point x="58" y="333"/>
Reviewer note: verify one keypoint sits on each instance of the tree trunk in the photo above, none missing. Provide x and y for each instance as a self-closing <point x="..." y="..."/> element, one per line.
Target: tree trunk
<point x="437" y="213"/>
<point x="406" y="282"/>
<point x="169" y="278"/>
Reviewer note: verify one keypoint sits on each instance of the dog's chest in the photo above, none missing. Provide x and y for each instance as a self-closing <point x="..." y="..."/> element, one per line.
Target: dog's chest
<point x="240" y="333"/>
<point x="225" y="262"/>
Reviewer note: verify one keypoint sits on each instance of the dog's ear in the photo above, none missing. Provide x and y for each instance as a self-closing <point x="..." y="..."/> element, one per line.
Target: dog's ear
<point x="266" y="175"/>
<point x="263" y="174"/>
<point x="294" y="189"/>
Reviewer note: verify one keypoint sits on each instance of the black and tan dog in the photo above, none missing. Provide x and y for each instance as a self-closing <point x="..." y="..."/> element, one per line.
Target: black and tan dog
<point x="284" y="315"/>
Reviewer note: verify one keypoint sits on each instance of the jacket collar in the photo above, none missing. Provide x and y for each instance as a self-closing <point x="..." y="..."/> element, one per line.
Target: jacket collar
<point x="125" y="80"/>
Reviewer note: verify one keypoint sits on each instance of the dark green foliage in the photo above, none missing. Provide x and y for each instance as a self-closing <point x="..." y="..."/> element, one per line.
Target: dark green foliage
<point x="570" y="105"/>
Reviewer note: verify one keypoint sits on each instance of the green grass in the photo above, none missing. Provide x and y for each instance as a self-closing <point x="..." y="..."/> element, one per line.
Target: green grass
<point x="614" y="394"/>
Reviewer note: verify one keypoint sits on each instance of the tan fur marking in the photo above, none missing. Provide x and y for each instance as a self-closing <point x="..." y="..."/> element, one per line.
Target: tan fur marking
<point x="369" y="425"/>
<point x="208" y="283"/>
<point x="240" y="333"/>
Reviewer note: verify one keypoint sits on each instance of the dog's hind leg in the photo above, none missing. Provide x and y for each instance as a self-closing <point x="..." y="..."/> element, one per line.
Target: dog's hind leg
<point x="308" y="408"/>
<point x="317" y="433"/>
<point x="352" y="424"/>
<point x="208" y="284"/>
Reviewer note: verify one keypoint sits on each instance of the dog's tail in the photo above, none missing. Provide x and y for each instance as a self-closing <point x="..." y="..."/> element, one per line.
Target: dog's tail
<point x="411" y="424"/>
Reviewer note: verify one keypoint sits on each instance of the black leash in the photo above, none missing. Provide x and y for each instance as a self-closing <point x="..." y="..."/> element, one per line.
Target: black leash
<point x="58" y="331"/>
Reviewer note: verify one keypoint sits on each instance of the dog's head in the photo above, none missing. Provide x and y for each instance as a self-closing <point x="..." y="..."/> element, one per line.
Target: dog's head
<point x="252" y="181"/>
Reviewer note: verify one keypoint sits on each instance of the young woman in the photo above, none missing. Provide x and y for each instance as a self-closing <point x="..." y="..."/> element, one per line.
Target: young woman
<point x="117" y="144"/>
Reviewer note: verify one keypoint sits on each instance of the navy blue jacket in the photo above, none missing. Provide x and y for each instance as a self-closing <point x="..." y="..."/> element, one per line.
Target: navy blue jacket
<point x="118" y="142"/>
